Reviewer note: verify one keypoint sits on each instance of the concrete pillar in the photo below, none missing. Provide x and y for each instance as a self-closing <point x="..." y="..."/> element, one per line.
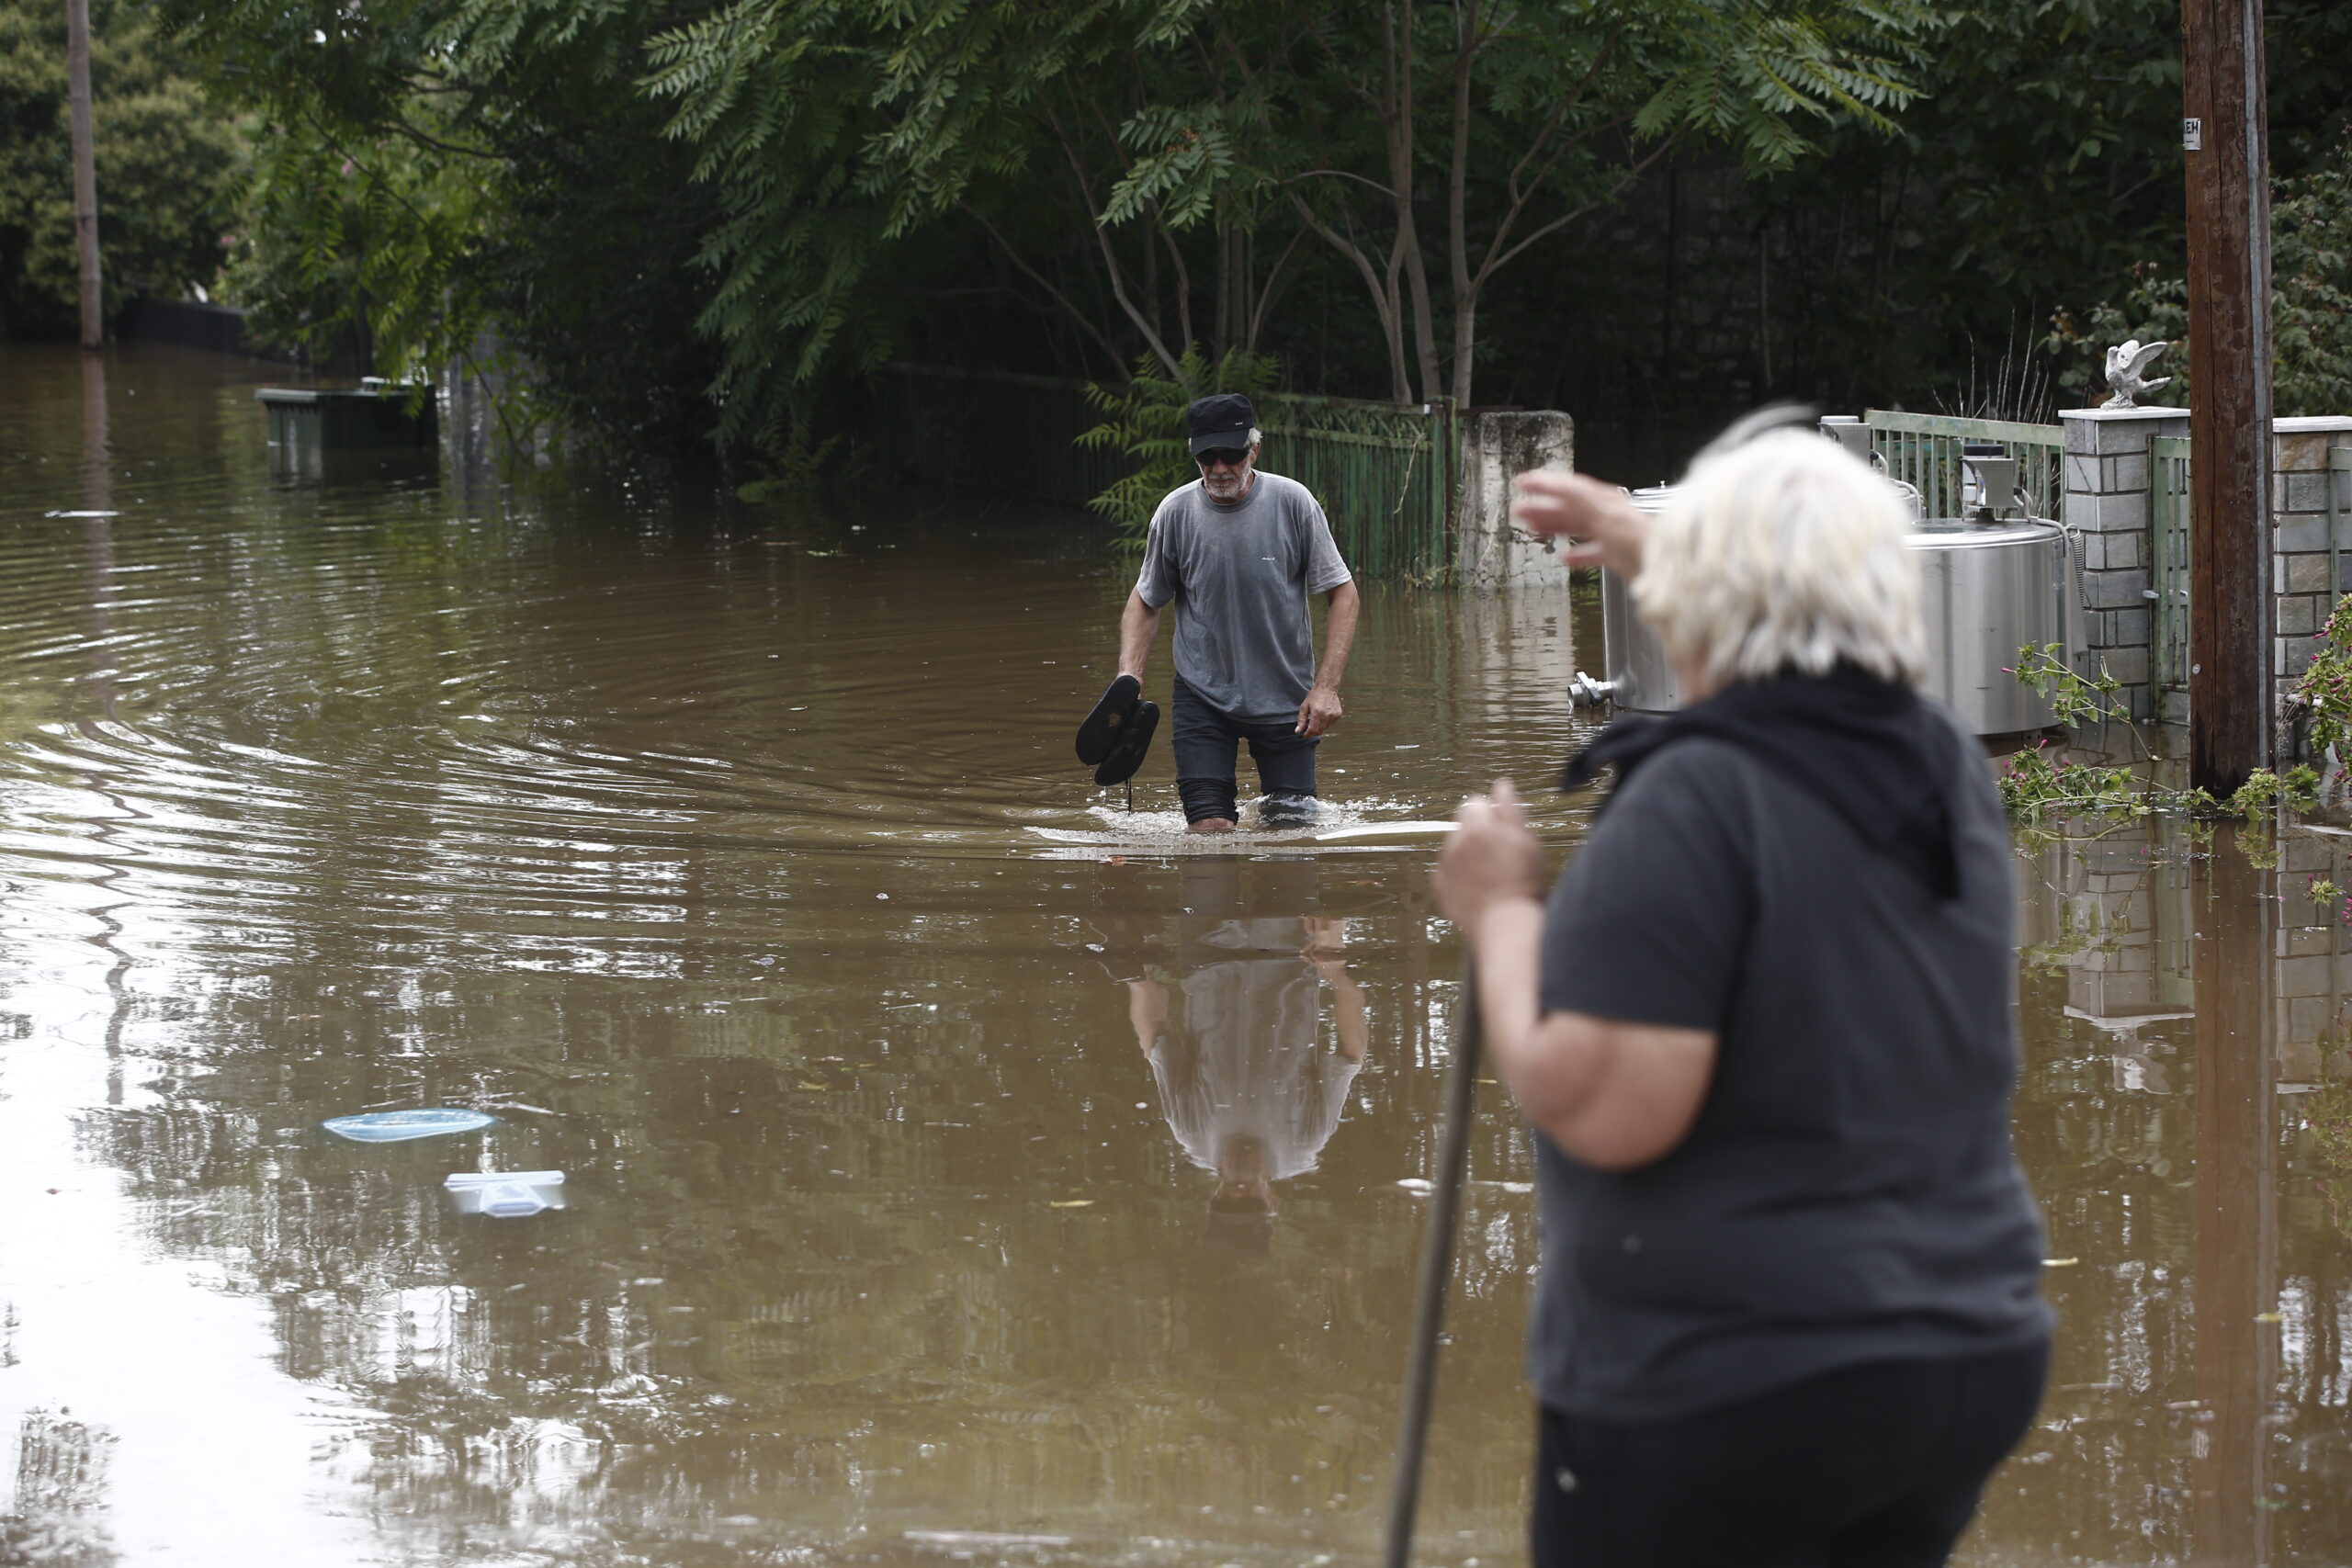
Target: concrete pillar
<point x="2300" y="537"/>
<point x="1491" y="552"/>
<point x="2108" y="478"/>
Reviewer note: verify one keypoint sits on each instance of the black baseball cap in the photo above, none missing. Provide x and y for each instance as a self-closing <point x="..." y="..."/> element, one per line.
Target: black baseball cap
<point x="1222" y="420"/>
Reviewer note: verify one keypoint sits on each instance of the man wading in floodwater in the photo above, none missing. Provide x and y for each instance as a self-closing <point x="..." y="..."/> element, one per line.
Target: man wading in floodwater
<point x="1239" y="553"/>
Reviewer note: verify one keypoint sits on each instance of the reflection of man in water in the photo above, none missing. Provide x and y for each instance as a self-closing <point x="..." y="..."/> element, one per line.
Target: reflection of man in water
<point x="1245" y="1081"/>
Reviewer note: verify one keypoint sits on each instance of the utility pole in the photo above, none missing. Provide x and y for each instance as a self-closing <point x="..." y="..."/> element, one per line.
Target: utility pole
<point x="2225" y="141"/>
<point x="86" y="170"/>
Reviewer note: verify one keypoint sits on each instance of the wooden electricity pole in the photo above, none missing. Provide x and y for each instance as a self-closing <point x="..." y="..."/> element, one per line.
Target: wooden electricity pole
<point x="2225" y="136"/>
<point x="86" y="170"/>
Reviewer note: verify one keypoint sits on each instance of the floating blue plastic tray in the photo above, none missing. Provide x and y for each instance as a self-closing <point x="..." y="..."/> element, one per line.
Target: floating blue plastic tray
<point x="399" y="1127"/>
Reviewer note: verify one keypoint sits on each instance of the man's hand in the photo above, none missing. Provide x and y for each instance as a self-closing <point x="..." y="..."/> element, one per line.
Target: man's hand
<point x="1491" y="857"/>
<point x="1319" y="712"/>
<point x="1327" y="936"/>
<point x="1609" y="529"/>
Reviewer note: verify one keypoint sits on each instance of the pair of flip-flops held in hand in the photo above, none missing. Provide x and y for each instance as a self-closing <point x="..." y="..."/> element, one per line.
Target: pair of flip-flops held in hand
<point x="1118" y="732"/>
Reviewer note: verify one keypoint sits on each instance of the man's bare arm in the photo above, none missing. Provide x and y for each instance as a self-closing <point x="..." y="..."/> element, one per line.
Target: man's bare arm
<point x="1147" y="1012"/>
<point x="1321" y="709"/>
<point x="1137" y="625"/>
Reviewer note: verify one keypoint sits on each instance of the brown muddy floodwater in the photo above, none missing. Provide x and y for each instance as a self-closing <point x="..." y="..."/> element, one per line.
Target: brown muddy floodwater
<point x="737" y="862"/>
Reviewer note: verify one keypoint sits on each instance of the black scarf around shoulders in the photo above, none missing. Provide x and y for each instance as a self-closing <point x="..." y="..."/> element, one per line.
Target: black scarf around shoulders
<point x="1887" y="764"/>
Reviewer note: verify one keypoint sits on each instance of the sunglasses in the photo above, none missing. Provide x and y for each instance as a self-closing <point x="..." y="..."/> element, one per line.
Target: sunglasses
<point x="1221" y="457"/>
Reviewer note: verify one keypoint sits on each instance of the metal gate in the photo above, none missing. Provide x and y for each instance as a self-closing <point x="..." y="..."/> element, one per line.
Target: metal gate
<point x="1383" y="471"/>
<point x="2168" y="528"/>
<point x="1923" y="450"/>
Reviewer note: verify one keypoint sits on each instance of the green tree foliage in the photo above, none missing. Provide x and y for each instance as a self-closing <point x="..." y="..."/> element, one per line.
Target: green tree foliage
<point x="2310" y="266"/>
<point x="719" y="215"/>
<point x="469" y="183"/>
<point x="164" y="160"/>
<point x="1427" y="146"/>
<point x="835" y="133"/>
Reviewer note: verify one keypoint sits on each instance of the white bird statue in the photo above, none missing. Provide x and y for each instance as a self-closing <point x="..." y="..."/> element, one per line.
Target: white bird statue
<point x="2125" y="362"/>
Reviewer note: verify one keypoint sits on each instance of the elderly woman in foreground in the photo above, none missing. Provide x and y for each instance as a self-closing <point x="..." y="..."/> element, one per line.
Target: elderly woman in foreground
<point x="1788" y="1308"/>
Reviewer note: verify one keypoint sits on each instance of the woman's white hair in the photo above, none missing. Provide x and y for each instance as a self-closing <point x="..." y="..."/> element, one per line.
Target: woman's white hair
<point x="1785" y="552"/>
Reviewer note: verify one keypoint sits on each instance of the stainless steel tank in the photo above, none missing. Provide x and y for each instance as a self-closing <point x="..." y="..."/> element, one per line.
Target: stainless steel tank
<point x="1987" y="590"/>
<point x="1640" y="675"/>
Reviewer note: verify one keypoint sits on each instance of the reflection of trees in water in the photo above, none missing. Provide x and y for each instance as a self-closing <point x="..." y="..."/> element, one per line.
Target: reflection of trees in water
<point x="816" y="1291"/>
<point x="57" y="1515"/>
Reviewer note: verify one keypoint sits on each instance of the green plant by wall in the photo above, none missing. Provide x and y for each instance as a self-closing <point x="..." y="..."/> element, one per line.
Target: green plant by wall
<point x="1145" y="419"/>
<point x="2037" y="786"/>
<point x="2325" y="690"/>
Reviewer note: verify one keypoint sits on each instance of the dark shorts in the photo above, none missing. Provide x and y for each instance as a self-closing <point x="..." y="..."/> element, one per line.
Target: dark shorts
<point x="1876" y="1466"/>
<point x="1207" y="745"/>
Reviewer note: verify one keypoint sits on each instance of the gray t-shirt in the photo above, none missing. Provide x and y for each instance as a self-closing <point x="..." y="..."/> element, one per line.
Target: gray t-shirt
<point x="1240" y="576"/>
<point x="1849" y="1192"/>
<point x="1243" y="1058"/>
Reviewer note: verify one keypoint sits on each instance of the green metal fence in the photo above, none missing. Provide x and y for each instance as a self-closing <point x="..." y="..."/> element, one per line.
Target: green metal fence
<point x="1923" y="449"/>
<point x="1384" y="472"/>
<point x="2170" y="519"/>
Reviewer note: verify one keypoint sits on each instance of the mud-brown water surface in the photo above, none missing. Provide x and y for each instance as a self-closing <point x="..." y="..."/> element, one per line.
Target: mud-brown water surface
<point x="735" y="860"/>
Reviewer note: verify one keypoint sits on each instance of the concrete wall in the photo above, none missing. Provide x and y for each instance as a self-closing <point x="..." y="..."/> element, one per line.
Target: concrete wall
<point x="1491" y="552"/>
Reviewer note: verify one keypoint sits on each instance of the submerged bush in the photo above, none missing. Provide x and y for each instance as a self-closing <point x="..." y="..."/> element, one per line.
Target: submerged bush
<point x="2037" y="786"/>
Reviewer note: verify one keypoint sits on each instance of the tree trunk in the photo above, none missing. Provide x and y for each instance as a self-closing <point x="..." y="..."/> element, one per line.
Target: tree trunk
<point x="1221" y="327"/>
<point x="1457" y="204"/>
<point x="1466" y="340"/>
<point x="86" y="171"/>
<point x="1402" y="88"/>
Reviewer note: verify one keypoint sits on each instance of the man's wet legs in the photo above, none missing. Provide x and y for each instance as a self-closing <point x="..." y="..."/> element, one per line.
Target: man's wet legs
<point x="1207" y="744"/>
<point x="1285" y="761"/>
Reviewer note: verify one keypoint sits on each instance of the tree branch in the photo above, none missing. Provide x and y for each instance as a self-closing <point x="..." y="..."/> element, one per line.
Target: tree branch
<point x="1633" y="173"/>
<point x="1118" y="281"/>
<point x="1382" y="304"/>
<point x="1109" y="349"/>
<point x="1340" y="175"/>
<point x="1265" y="300"/>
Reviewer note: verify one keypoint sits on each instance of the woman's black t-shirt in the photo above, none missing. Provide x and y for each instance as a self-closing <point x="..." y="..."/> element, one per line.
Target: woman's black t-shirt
<point x="1849" y="1192"/>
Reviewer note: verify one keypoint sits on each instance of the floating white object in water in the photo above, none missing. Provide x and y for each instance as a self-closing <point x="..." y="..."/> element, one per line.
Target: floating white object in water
<point x="86" y="514"/>
<point x="505" y="1194"/>
<point x="1417" y="1184"/>
<point x="399" y="1127"/>
<point x="1384" y="830"/>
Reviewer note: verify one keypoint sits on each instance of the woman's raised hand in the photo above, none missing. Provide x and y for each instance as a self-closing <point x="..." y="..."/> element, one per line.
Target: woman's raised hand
<point x="1608" y="528"/>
